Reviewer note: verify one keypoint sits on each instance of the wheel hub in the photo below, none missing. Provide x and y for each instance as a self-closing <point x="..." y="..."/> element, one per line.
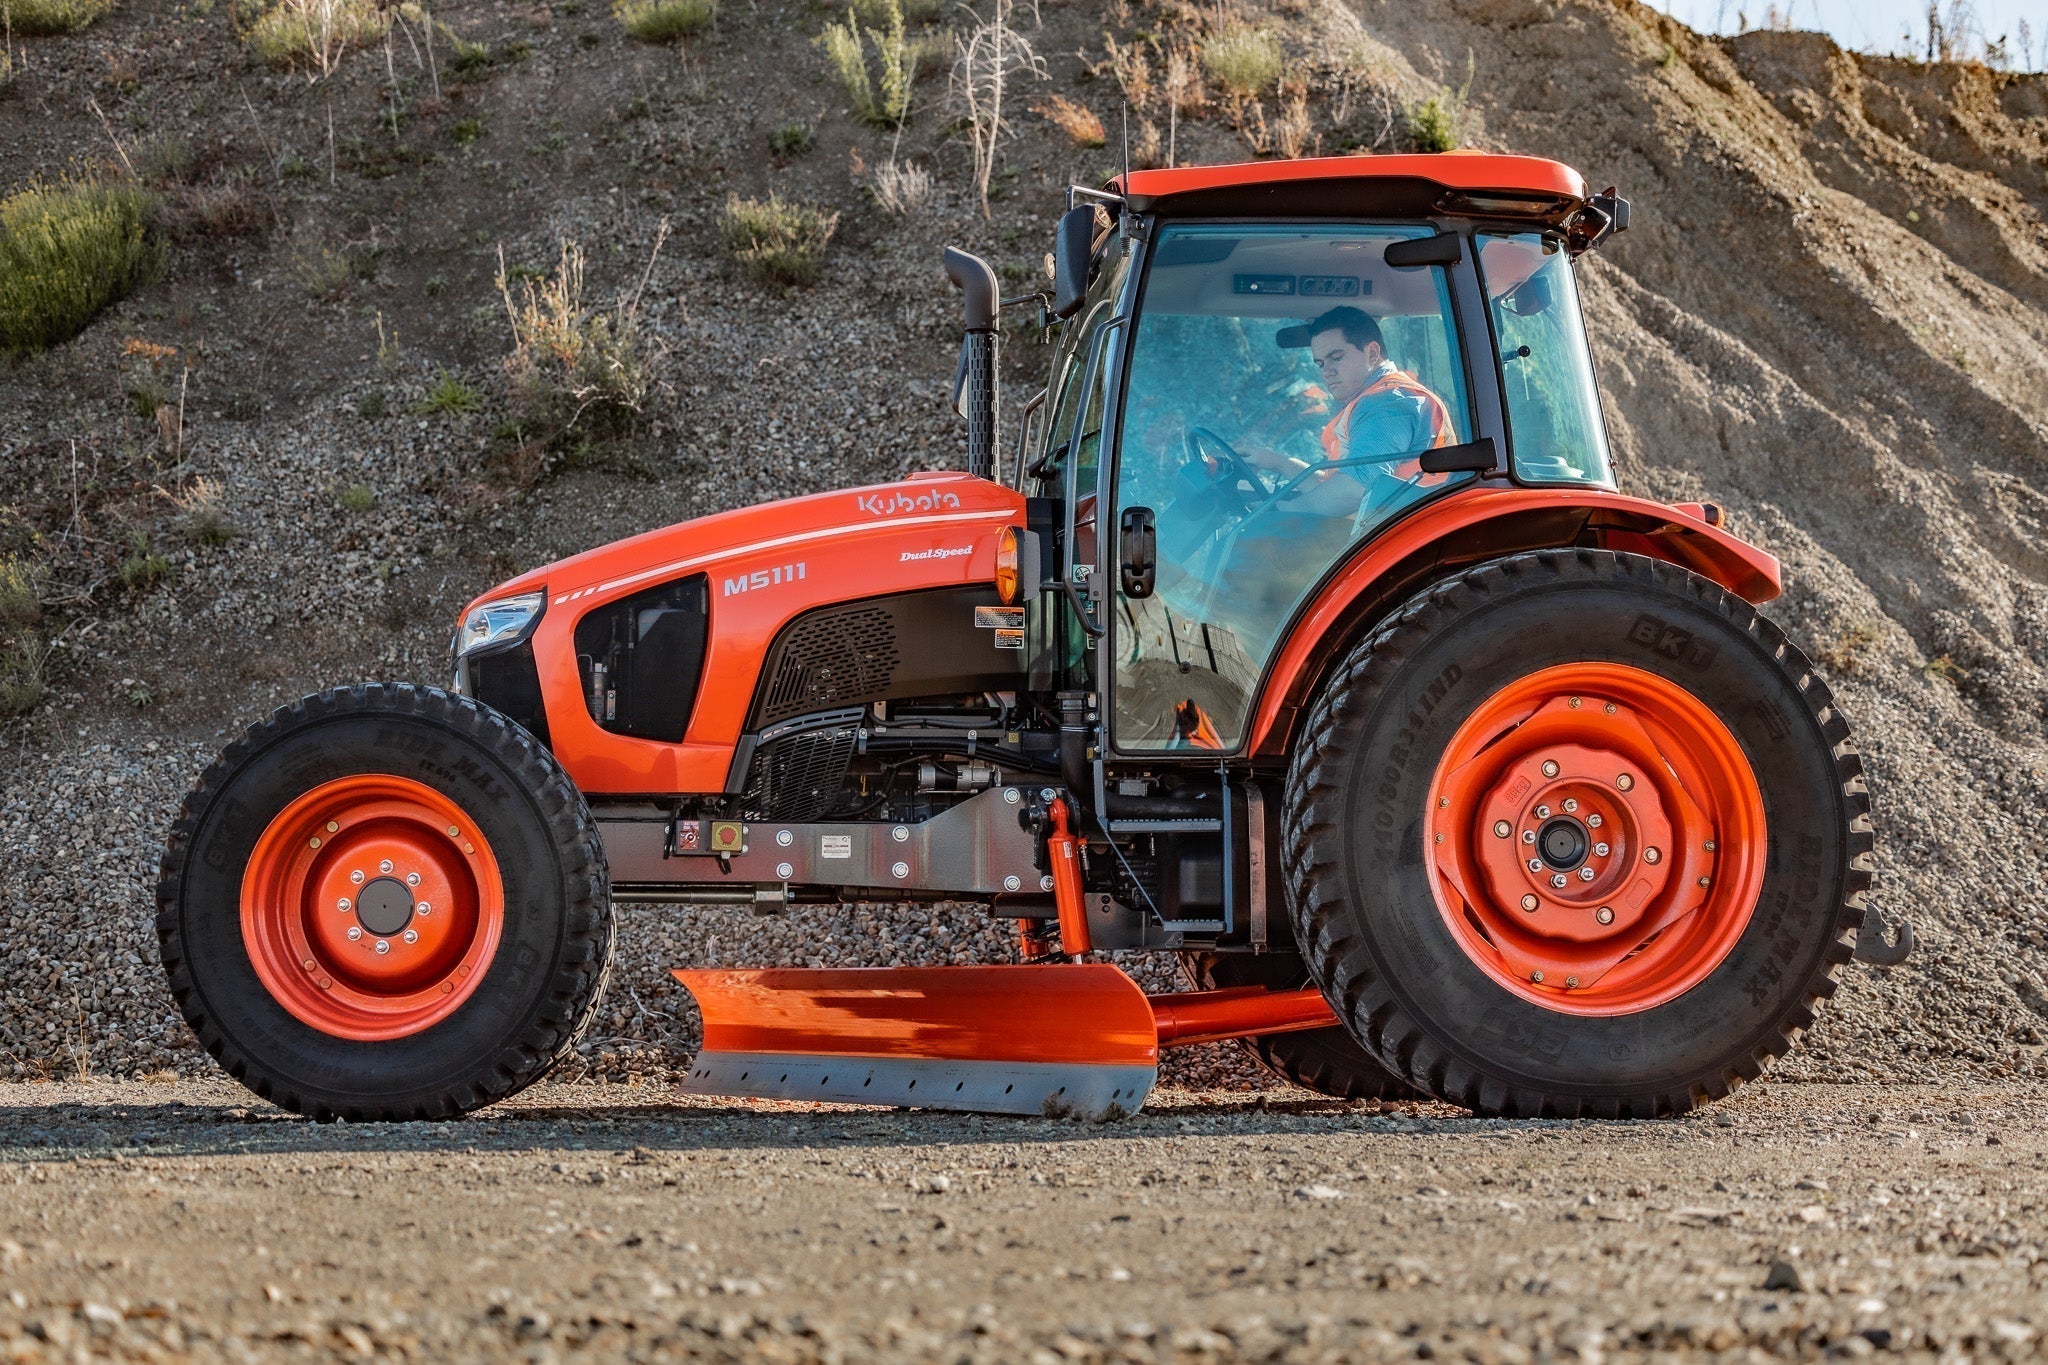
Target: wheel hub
<point x="1576" y="830"/>
<point x="371" y="907"/>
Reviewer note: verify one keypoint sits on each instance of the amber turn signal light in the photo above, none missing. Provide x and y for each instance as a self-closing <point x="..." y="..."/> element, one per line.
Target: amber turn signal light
<point x="1009" y="561"/>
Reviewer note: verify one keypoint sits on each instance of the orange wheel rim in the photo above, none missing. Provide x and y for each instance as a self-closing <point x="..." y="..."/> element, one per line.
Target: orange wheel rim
<point x="371" y="907"/>
<point x="1595" y="836"/>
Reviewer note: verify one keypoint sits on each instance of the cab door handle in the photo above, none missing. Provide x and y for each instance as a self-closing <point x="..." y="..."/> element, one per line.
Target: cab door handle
<point x="1137" y="551"/>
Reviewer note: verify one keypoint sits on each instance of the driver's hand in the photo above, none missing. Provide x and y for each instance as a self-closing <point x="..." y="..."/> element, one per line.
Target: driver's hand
<point x="1267" y="458"/>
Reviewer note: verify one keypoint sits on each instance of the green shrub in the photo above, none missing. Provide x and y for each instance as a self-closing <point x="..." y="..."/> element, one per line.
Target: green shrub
<point x="664" y="21"/>
<point x="775" y="241"/>
<point x="67" y="251"/>
<point x="1245" y="61"/>
<point x="880" y="97"/>
<point x="791" y="139"/>
<point x="20" y="603"/>
<point x="316" y="32"/>
<point x="21" y="674"/>
<point x="466" y="131"/>
<point x="448" y="396"/>
<point x="55" y="16"/>
<point x="144" y="568"/>
<point x="356" y="498"/>
<point x="1437" y="123"/>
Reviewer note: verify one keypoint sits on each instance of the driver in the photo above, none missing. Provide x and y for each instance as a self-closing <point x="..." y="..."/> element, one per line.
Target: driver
<point x="1381" y="411"/>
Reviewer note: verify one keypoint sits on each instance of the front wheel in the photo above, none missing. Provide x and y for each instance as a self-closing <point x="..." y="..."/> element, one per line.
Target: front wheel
<point x="385" y="902"/>
<point x="1577" y="833"/>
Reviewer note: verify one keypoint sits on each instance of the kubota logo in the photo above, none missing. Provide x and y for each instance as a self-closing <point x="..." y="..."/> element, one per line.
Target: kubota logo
<point x="765" y="578"/>
<point x="946" y="552"/>
<point x="899" y="504"/>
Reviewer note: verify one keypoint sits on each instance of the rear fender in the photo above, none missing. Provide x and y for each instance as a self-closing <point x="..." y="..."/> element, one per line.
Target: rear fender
<point x="1480" y="524"/>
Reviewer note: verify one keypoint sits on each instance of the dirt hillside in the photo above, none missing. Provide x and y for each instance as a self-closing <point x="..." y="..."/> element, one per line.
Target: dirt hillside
<point x="1831" y="315"/>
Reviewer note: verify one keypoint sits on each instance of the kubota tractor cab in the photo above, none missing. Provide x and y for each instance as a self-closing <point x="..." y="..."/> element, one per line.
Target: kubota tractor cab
<point x="1296" y="627"/>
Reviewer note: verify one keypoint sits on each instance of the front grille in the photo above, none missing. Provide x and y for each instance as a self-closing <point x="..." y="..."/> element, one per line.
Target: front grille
<point x="830" y="658"/>
<point x="800" y="776"/>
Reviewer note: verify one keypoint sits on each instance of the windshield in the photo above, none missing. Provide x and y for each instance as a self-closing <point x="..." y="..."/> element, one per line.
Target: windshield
<point x="1283" y="383"/>
<point x="1554" y="425"/>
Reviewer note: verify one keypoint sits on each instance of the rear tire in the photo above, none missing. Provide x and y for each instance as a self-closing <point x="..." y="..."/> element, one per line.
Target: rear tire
<point x="295" y="919"/>
<point x="1631" y="686"/>
<point x="1325" y="1060"/>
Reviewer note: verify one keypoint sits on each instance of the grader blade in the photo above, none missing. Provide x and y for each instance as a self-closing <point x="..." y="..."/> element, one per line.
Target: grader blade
<point x="1043" y="1039"/>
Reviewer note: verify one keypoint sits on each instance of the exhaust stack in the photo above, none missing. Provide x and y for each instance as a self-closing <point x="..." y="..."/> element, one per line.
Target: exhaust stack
<point x="974" y="385"/>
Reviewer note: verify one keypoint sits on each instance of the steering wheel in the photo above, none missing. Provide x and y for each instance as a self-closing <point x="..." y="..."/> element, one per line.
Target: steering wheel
<point x="1203" y="444"/>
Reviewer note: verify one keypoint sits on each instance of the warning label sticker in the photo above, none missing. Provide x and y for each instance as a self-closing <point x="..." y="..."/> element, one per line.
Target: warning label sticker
<point x="999" y="618"/>
<point x="1009" y="639"/>
<point x="835" y="846"/>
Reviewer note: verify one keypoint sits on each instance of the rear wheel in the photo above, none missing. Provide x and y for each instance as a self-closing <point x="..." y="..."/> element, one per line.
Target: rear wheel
<point x="1325" y="1060"/>
<point x="385" y="902"/>
<point x="1577" y="833"/>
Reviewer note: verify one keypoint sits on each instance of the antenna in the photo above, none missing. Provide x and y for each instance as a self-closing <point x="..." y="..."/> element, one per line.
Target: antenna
<point x="1125" y="118"/>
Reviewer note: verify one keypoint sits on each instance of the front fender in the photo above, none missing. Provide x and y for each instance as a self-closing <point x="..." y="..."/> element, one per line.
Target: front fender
<point x="1486" y="523"/>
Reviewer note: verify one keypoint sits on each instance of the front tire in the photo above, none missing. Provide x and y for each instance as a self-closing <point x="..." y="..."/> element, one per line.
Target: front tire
<point x="1576" y="833"/>
<point x="385" y="902"/>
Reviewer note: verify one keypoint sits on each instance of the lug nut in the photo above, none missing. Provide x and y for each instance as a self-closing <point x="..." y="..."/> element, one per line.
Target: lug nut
<point x="1706" y="881"/>
<point x="1536" y="977"/>
<point x="1573" y="703"/>
<point x="1600" y="850"/>
<point x="1571" y="983"/>
<point x="1604" y="915"/>
<point x="1558" y="879"/>
<point x="1443" y="803"/>
<point x="383" y="946"/>
<point x="412" y="936"/>
<point x="1502" y="829"/>
<point x="355" y="931"/>
<point x="1543" y="812"/>
<point x="1625" y="782"/>
<point x="342" y="904"/>
<point x="1585" y="874"/>
<point x="1595" y="821"/>
<point x="1609" y="708"/>
<point x="412" y="879"/>
<point x="1710" y="845"/>
<point x="1651" y="855"/>
<point x="384" y="866"/>
<point x="1571" y="803"/>
<point x="423" y="909"/>
<point x="1535" y="864"/>
<point x="1528" y="836"/>
<point x="1550" y="767"/>
<point x="1530" y="903"/>
<point x="356" y="877"/>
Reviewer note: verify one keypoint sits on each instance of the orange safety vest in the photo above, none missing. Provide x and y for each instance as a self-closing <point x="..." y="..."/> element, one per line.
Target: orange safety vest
<point x="1337" y="435"/>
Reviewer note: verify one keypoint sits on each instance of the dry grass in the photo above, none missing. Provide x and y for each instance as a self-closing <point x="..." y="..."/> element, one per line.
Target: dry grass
<point x="35" y="17"/>
<point x="314" y="33"/>
<point x="1245" y="61"/>
<point x="776" y="241"/>
<point x="1077" y="121"/>
<point x="664" y="21"/>
<point x="573" y="368"/>
<point x="901" y="187"/>
<point x="67" y="251"/>
<point x="1130" y="66"/>
<point x="202" y="519"/>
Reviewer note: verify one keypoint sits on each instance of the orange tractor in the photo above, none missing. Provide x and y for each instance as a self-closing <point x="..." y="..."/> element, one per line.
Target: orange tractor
<point x="1298" y="629"/>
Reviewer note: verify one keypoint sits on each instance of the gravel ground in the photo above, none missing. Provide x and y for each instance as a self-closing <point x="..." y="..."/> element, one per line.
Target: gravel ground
<point x="1796" y="1221"/>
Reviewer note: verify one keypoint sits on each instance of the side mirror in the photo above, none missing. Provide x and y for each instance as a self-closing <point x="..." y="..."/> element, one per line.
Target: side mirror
<point x="1070" y="256"/>
<point x="1138" y="552"/>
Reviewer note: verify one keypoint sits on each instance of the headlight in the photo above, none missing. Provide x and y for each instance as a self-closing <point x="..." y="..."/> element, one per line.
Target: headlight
<point x="493" y="623"/>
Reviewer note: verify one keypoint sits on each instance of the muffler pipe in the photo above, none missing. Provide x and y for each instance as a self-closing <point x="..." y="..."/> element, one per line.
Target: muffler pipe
<point x="974" y="388"/>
